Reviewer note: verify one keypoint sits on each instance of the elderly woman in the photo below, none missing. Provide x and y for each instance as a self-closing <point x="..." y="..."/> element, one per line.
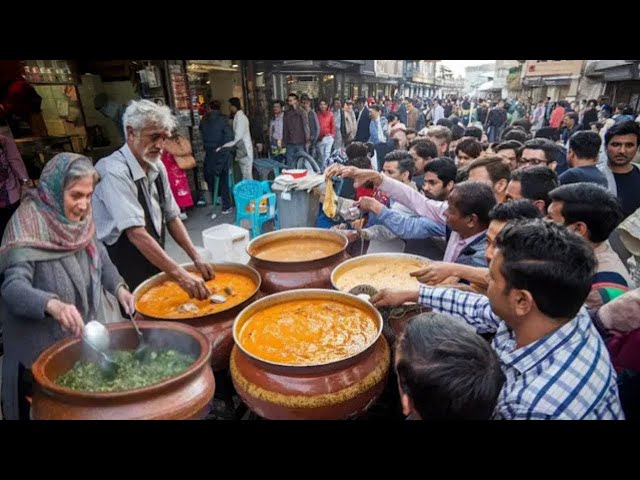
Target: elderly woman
<point x="54" y="272"/>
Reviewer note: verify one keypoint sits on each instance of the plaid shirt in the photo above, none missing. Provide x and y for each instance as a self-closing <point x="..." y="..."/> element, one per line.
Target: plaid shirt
<point x="566" y="375"/>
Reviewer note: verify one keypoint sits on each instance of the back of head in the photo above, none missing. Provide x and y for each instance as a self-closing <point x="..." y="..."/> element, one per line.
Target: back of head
<point x="516" y="134"/>
<point x="585" y="144"/>
<point x="440" y="133"/>
<point x="447" y="370"/>
<point x="554" y="264"/>
<point x="424" y="147"/>
<point x="591" y="204"/>
<point x="548" y="132"/>
<point x="356" y="149"/>
<point x="235" y="102"/>
<point x="215" y="105"/>
<point x="515" y="210"/>
<point x="536" y="183"/>
<point x="445" y="122"/>
<point x="473" y="132"/>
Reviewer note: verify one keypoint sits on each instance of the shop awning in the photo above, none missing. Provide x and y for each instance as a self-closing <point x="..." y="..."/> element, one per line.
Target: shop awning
<point x="487" y="86"/>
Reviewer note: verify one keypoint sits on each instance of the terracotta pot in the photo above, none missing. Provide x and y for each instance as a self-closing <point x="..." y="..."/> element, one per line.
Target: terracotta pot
<point x="331" y="391"/>
<point x="398" y="317"/>
<point x="283" y="276"/>
<point x="183" y="397"/>
<point x="217" y="326"/>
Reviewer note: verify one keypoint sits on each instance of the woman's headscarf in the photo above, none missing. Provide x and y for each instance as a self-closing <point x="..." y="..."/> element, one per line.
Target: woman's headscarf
<point x="40" y="231"/>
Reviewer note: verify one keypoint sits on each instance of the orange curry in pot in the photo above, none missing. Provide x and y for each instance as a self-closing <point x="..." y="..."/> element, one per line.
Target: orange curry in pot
<point x="167" y="300"/>
<point x="308" y="332"/>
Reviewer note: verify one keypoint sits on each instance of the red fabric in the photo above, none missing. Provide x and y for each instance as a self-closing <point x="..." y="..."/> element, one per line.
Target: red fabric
<point x="556" y="117"/>
<point x="624" y="351"/>
<point x="178" y="181"/>
<point x="363" y="192"/>
<point x="327" y="125"/>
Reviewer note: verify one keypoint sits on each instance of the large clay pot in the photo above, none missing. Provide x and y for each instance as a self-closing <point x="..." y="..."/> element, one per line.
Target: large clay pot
<point x="398" y="317"/>
<point x="283" y="276"/>
<point x="336" y="390"/>
<point x="216" y="327"/>
<point x="183" y="397"/>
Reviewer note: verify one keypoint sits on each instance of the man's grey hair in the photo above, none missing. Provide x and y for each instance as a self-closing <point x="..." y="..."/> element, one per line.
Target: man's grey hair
<point x="141" y="113"/>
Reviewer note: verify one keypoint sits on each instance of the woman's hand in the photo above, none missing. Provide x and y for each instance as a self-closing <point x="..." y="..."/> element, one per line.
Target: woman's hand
<point x="66" y="315"/>
<point x="127" y="300"/>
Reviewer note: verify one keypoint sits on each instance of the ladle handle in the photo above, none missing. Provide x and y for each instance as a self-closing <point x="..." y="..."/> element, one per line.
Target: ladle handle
<point x="135" y="325"/>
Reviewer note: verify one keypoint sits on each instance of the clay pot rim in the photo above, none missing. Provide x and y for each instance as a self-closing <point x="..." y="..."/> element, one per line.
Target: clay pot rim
<point x="370" y="257"/>
<point x="238" y="268"/>
<point x="310" y="231"/>
<point x="309" y="294"/>
<point x="38" y="367"/>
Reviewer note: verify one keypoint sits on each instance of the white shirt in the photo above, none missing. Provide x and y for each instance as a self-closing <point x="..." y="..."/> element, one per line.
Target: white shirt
<point x="242" y="133"/>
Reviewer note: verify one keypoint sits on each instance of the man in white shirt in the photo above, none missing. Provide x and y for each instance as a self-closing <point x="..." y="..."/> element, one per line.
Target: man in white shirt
<point x="242" y="139"/>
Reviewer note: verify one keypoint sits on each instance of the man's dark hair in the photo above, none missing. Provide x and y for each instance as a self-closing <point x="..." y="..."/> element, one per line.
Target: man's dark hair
<point x="445" y="122"/>
<point x="235" y="101"/>
<point x="294" y="95"/>
<point x="305" y="97"/>
<point x="356" y="149"/>
<point x="516" y="210"/>
<point x="470" y="147"/>
<point x="424" y="147"/>
<point x="409" y="131"/>
<point x="404" y="159"/>
<point x="585" y="144"/>
<point x="447" y="370"/>
<point x="554" y="264"/>
<point x="622" y="128"/>
<point x="517" y="134"/>
<point x="591" y="204"/>
<point x="375" y="107"/>
<point x="279" y="102"/>
<point x="548" y="132"/>
<point x="510" y="145"/>
<point x="496" y="168"/>
<point x="391" y="116"/>
<point x="536" y="183"/>
<point x="215" y="104"/>
<point x="457" y="132"/>
<point x="524" y="123"/>
<point x="473" y="132"/>
<point x="473" y="198"/>
<point x="359" y="162"/>
<point x="552" y="152"/>
<point x="444" y="168"/>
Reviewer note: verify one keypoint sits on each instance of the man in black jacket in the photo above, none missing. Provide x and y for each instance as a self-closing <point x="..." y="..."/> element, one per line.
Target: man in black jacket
<point x="362" y="132"/>
<point x="216" y="131"/>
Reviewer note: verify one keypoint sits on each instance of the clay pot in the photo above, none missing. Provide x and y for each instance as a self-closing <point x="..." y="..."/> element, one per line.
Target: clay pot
<point x="283" y="276"/>
<point x="217" y="326"/>
<point x="397" y="317"/>
<point x="331" y="391"/>
<point x="183" y="397"/>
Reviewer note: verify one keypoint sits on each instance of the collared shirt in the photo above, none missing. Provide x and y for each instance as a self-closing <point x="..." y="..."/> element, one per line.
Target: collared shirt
<point x="241" y="133"/>
<point x="457" y="244"/>
<point x="566" y="375"/>
<point x="275" y="132"/>
<point x="115" y="199"/>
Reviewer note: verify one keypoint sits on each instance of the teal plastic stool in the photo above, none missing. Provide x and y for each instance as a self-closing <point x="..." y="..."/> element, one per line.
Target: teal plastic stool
<point x="250" y="195"/>
<point x="216" y="185"/>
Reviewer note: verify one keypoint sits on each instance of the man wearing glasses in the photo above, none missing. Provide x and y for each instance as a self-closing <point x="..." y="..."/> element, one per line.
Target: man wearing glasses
<point x="540" y="151"/>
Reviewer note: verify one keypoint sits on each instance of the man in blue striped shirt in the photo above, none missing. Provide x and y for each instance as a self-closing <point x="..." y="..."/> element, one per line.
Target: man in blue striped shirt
<point x="555" y="363"/>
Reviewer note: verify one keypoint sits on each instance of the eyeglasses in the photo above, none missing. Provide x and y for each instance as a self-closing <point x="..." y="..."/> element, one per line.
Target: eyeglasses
<point x="532" y="161"/>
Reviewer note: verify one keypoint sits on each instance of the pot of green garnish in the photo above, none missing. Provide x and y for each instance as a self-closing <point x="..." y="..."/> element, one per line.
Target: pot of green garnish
<point x="173" y="382"/>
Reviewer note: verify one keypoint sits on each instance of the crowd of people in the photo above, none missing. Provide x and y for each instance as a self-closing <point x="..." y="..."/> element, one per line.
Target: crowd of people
<point x="530" y="215"/>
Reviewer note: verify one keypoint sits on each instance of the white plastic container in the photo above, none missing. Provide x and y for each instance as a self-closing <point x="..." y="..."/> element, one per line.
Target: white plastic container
<point x="227" y="243"/>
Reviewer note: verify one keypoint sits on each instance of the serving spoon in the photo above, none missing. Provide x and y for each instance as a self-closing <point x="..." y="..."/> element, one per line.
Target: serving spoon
<point x="96" y="336"/>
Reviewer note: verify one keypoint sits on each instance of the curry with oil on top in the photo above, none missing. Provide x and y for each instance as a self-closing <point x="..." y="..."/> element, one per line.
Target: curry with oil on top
<point x="167" y="300"/>
<point x="308" y="332"/>
<point x="297" y="250"/>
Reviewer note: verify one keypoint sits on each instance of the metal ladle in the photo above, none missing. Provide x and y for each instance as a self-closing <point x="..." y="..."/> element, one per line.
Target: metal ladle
<point x="96" y="336"/>
<point x="143" y="349"/>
